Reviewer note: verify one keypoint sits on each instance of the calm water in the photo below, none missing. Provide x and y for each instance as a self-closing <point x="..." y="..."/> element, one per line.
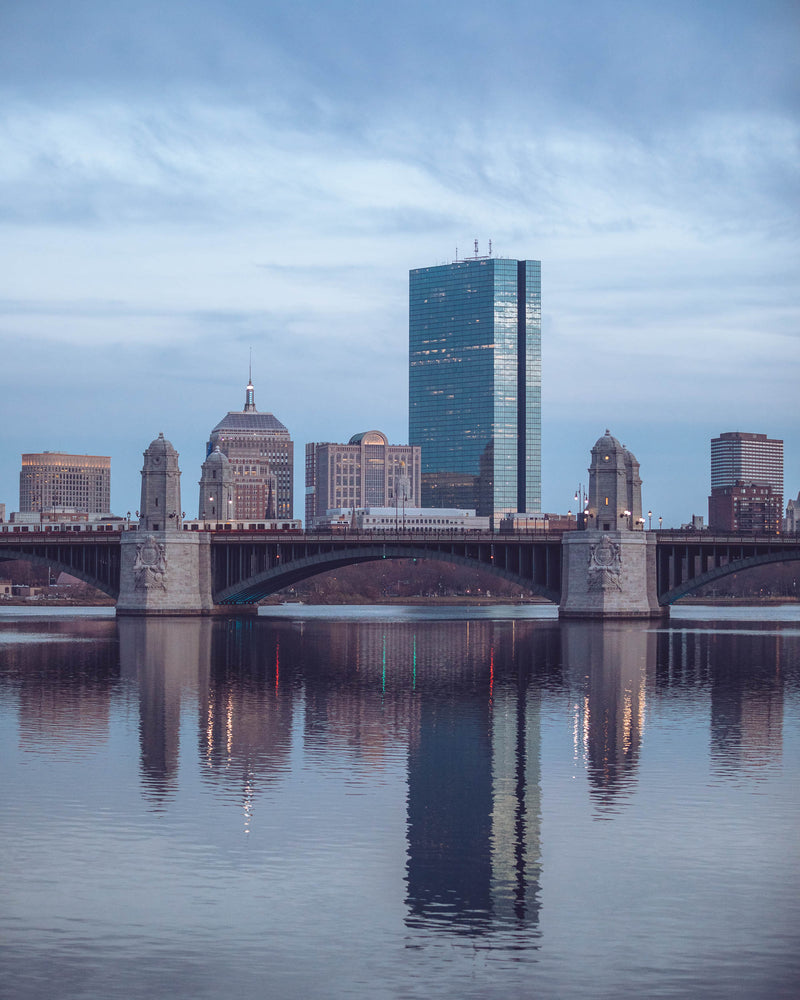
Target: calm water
<point x="396" y="802"/>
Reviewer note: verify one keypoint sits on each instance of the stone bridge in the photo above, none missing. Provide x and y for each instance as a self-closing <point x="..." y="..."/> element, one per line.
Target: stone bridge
<point x="240" y="567"/>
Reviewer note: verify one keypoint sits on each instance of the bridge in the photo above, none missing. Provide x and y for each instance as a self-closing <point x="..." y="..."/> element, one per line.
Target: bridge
<point x="611" y="568"/>
<point x="243" y="566"/>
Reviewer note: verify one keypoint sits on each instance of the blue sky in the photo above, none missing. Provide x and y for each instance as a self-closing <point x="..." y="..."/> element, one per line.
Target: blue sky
<point x="181" y="182"/>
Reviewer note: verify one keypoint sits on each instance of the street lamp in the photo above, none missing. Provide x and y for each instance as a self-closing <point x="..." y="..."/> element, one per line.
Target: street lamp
<point x="649" y="520"/>
<point x="659" y="523"/>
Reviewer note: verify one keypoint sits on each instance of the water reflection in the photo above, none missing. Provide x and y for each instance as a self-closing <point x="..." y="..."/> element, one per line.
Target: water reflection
<point x="63" y="675"/>
<point x="610" y="669"/>
<point x="745" y="681"/>
<point x="456" y="712"/>
<point x="168" y="660"/>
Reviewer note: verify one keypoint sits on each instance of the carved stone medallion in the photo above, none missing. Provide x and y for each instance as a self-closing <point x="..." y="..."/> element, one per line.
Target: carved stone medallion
<point x="605" y="565"/>
<point x="150" y="565"/>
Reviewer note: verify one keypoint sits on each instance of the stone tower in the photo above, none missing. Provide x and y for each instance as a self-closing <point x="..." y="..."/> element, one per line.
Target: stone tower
<point x="163" y="569"/>
<point x="609" y="569"/>
<point x="216" y="488"/>
<point x="615" y="488"/>
<point x="160" y="508"/>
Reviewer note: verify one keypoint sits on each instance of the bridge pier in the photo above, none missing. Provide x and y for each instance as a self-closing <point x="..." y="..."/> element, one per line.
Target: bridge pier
<point x="165" y="573"/>
<point x="609" y="574"/>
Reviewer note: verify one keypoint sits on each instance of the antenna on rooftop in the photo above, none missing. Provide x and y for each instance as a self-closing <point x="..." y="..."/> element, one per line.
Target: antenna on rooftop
<point x="476" y="248"/>
<point x="490" y="248"/>
<point x="456" y="255"/>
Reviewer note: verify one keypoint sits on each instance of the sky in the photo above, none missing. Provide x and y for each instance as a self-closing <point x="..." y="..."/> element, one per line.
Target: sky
<point x="184" y="183"/>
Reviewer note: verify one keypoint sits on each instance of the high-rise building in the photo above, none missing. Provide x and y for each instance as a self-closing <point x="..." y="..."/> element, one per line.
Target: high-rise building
<point x="53" y="479"/>
<point x="475" y="384"/>
<point x="261" y="456"/>
<point x="365" y="472"/>
<point x="746" y="483"/>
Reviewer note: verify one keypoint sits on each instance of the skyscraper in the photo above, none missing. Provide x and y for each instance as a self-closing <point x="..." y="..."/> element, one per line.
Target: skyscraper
<point x="746" y="483"/>
<point x="261" y="456"/>
<point x="475" y="384"/>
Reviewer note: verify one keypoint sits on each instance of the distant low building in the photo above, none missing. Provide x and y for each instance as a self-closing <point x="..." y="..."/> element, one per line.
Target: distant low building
<point x="792" y="523"/>
<point x="365" y="472"/>
<point x="697" y="523"/>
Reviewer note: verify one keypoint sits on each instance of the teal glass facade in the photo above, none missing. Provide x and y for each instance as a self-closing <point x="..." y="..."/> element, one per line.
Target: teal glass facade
<point x="475" y="378"/>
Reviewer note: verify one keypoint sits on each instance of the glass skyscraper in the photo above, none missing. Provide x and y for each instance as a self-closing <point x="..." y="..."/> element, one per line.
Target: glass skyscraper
<point x="475" y="379"/>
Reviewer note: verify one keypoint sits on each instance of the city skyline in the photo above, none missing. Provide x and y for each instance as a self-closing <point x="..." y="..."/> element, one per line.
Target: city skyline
<point x="184" y="183"/>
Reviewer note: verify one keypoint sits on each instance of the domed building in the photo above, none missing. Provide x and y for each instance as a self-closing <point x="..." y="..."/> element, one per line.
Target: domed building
<point x="260" y="453"/>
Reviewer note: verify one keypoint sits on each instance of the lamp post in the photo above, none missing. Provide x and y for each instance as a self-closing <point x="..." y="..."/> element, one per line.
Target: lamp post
<point x="659" y="523"/>
<point x="649" y="520"/>
<point x="627" y="515"/>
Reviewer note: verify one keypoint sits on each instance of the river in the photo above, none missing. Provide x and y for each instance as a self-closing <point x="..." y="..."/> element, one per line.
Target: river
<point x="400" y="802"/>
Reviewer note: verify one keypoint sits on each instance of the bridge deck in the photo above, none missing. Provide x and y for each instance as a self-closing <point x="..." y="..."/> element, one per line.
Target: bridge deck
<point x="249" y="564"/>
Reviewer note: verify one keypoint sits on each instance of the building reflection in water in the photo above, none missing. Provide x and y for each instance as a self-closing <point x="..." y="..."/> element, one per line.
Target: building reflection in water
<point x="474" y="783"/>
<point x="746" y="684"/>
<point x="169" y="660"/>
<point x="65" y="684"/>
<point x="246" y="711"/>
<point x="608" y="667"/>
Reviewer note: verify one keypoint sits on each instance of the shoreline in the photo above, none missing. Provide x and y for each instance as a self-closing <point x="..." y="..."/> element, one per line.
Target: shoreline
<point x="454" y="600"/>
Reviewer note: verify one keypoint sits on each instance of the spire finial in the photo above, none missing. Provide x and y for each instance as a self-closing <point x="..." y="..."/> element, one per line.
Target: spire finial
<point x="250" y="395"/>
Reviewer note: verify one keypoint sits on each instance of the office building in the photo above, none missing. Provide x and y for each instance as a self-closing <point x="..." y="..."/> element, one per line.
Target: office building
<point x="365" y="472"/>
<point x="261" y="456"/>
<point x="53" y="480"/>
<point x="475" y="384"/>
<point x="750" y="509"/>
<point x="746" y="483"/>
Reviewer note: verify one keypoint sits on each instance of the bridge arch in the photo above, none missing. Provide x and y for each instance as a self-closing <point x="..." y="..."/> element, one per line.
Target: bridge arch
<point x="262" y="584"/>
<point x="735" y="566"/>
<point x="102" y="574"/>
